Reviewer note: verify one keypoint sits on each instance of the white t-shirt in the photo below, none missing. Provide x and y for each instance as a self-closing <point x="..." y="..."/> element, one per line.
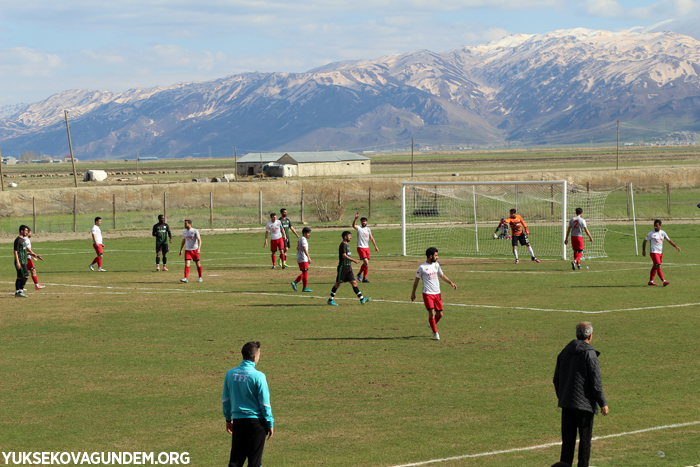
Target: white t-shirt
<point x="191" y="239"/>
<point x="656" y="239"/>
<point x="28" y="243"/>
<point x="430" y="273"/>
<point x="98" y="235"/>
<point x="275" y="229"/>
<point x="301" y="255"/>
<point x="363" y="234"/>
<point x="577" y="225"/>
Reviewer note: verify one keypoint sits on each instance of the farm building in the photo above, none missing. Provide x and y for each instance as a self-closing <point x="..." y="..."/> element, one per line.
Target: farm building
<point x="303" y="164"/>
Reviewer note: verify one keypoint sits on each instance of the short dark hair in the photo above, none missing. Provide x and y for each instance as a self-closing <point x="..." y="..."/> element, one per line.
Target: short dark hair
<point x="188" y="221"/>
<point x="305" y="230"/>
<point x="657" y="221"/>
<point x="161" y="217"/>
<point x="283" y="209"/>
<point x="345" y="232"/>
<point x="273" y="214"/>
<point x="513" y="211"/>
<point x="579" y="211"/>
<point x="22" y="227"/>
<point x="250" y="350"/>
<point x="363" y="219"/>
<point x="430" y="251"/>
<point x="97" y="218"/>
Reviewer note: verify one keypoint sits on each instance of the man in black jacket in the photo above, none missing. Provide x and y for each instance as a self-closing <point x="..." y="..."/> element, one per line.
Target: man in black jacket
<point x="580" y="391"/>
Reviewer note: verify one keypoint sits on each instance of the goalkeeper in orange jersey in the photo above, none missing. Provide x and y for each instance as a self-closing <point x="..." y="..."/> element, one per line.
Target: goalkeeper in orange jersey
<point x="519" y="232"/>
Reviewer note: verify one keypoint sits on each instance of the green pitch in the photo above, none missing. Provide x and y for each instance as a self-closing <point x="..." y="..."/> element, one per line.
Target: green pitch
<point x="133" y="360"/>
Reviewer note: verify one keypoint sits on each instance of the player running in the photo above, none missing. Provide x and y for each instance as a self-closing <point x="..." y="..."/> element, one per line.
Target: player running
<point x="30" y="263"/>
<point x="303" y="259"/>
<point x="656" y="237"/>
<point x="20" y="260"/>
<point x="97" y="245"/>
<point x="192" y="242"/>
<point x="430" y="272"/>
<point x="364" y="234"/>
<point x="345" y="273"/>
<point x="577" y="225"/>
<point x="161" y="231"/>
<point x="287" y="226"/>
<point x="517" y="225"/>
<point x="277" y="239"/>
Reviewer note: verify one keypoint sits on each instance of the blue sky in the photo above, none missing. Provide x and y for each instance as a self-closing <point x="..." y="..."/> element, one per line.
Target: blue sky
<point x="47" y="46"/>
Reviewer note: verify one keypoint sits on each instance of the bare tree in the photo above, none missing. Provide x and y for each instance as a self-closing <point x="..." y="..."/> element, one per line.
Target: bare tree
<point x="327" y="199"/>
<point x="28" y="156"/>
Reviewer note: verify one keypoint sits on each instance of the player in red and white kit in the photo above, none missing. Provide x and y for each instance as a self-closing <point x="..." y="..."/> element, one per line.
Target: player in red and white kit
<point x="364" y="235"/>
<point x="30" y="263"/>
<point x="277" y="238"/>
<point x="430" y="272"/>
<point x="192" y="243"/>
<point x="577" y="225"/>
<point x="656" y="237"/>
<point x="97" y="244"/>
<point x="303" y="260"/>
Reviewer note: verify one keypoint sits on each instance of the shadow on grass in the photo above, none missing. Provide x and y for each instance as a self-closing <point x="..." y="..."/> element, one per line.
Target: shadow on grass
<point x="605" y="286"/>
<point x="362" y="338"/>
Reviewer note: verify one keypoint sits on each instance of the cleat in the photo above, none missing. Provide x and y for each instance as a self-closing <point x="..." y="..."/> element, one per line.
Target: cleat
<point x="200" y="280"/>
<point x="39" y="287"/>
<point x="92" y="268"/>
<point x="535" y="260"/>
<point x="164" y="268"/>
<point x="573" y="265"/>
<point x="331" y="302"/>
<point x="578" y="265"/>
<point x="273" y="266"/>
<point x="101" y="270"/>
<point x="294" y="286"/>
<point x="365" y="280"/>
<point x="665" y="283"/>
<point x="284" y="266"/>
<point x="24" y="290"/>
<point x="184" y="279"/>
<point x="359" y="278"/>
<point x="517" y="261"/>
<point x="157" y="268"/>
<point x="279" y="261"/>
<point x="306" y="289"/>
<point x="20" y="294"/>
<point x="436" y="336"/>
<point x="365" y="300"/>
<point x="652" y="283"/>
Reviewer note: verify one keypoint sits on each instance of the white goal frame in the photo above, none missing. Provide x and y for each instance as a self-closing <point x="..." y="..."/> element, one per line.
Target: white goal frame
<point x="564" y="220"/>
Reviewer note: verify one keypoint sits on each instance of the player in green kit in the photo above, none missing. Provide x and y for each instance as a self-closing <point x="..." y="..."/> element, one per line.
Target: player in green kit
<point x="163" y="236"/>
<point x="287" y="226"/>
<point x="20" y="259"/>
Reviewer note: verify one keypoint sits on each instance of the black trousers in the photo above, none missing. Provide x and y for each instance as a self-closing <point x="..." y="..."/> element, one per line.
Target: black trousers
<point x="247" y="441"/>
<point x="573" y="420"/>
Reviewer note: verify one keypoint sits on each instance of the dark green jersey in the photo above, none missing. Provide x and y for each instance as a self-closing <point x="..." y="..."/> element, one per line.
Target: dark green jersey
<point x="162" y="233"/>
<point x="286" y="224"/>
<point x="21" y="249"/>
<point x="344" y="249"/>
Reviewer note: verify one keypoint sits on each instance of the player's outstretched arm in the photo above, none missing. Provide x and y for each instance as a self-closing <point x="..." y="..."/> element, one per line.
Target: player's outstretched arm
<point x="644" y="247"/>
<point x="446" y="279"/>
<point x="373" y="242"/>
<point x="415" y="286"/>
<point x="354" y="221"/>
<point x="291" y="227"/>
<point x="673" y="244"/>
<point x="590" y="237"/>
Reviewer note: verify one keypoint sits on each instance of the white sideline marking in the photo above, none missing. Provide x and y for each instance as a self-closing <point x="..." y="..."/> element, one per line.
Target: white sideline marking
<point x="145" y="290"/>
<point x="548" y="445"/>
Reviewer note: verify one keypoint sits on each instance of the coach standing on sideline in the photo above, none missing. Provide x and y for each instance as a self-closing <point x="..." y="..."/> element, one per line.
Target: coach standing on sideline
<point x="246" y="402"/>
<point x="580" y="391"/>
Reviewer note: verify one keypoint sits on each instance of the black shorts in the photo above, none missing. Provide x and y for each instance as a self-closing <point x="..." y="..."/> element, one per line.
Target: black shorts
<point x="286" y="242"/>
<point x="345" y="274"/>
<point x="22" y="272"/>
<point x="162" y="247"/>
<point x="520" y="238"/>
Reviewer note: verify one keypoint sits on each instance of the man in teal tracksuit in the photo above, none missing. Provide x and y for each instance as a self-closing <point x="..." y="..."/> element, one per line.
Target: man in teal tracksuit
<point x="246" y="403"/>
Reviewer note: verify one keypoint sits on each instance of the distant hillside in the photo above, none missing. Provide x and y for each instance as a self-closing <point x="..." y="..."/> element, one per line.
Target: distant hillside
<point x="567" y="86"/>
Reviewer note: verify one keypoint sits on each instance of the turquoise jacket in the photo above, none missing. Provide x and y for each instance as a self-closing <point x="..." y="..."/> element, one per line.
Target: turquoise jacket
<point x="246" y="394"/>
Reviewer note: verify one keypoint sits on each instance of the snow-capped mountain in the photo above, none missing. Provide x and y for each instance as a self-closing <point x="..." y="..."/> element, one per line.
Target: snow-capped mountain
<point x="561" y="87"/>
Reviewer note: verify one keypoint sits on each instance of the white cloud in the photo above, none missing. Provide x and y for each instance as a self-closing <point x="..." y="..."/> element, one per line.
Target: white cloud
<point x="654" y="12"/>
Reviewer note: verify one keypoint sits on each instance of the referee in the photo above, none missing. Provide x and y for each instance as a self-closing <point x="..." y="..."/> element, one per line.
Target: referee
<point x="246" y="403"/>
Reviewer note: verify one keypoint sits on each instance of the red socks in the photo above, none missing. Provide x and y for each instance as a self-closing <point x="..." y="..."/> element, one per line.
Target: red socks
<point x="432" y="324"/>
<point x="187" y="272"/>
<point x="284" y="258"/>
<point x="199" y="271"/>
<point x="99" y="261"/>
<point x="273" y="259"/>
<point x="364" y="270"/>
<point x="35" y="279"/>
<point x="303" y="277"/>
<point x="661" y="275"/>
<point x="577" y="256"/>
<point x="652" y="274"/>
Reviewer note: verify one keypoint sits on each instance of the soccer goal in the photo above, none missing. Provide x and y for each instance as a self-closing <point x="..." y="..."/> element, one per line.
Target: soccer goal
<point x="461" y="218"/>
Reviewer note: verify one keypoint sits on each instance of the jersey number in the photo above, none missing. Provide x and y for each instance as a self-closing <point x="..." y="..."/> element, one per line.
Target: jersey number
<point x="576" y="224"/>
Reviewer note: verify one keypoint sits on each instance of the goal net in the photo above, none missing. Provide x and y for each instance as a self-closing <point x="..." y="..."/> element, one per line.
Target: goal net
<point x="462" y="218"/>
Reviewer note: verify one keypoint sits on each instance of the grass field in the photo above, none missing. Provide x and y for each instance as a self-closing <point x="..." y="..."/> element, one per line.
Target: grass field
<point x="133" y="360"/>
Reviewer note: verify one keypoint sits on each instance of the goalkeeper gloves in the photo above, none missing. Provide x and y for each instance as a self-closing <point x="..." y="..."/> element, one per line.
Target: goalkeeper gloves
<point x="527" y="232"/>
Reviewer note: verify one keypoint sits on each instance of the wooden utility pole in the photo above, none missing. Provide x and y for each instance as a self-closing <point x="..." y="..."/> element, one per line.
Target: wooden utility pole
<point x="235" y="165"/>
<point x="114" y="211"/>
<point x="34" y="213"/>
<point x="302" y="205"/>
<point x="617" y="166"/>
<point x="165" y="203"/>
<point x="668" y="198"/>
<point x="2" y="179"/>
<point x="70" y="145"/>
<point x="369" y="216"/>
<point x="75" y="213"/>
<point x="137" y="165"/>
<point x="211" y="209"/>
<point x="411" y="157"/>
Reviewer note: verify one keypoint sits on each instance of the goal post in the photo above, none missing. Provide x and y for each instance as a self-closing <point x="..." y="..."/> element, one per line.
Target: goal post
<point x="460" y="218"/>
